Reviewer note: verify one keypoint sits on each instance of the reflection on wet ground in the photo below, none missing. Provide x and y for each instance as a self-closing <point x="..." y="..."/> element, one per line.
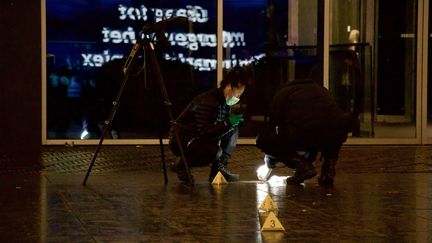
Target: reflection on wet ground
<point x="381" y="194"/>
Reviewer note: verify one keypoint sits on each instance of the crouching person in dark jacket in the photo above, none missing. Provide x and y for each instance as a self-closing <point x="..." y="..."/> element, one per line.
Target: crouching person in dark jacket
<point x="207" y="131"/>
<point x="304" y="120"/>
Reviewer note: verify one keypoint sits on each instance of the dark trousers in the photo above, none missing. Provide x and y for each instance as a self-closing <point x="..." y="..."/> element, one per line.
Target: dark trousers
<point x="202" y="151"/>
<point x="284" y="147"/>
<point x="269" y="142"/>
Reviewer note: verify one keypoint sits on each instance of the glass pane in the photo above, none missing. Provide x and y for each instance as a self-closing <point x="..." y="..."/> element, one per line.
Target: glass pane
<point x="280" y="46"/>
<point x="373" y="65"/>
<point x="87" y="45"/>
<point x="429" y="81"/>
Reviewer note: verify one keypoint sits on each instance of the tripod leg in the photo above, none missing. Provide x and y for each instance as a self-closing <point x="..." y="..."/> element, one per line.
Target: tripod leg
<point x="162" y="148"/>
<point x="167" y="103"/>
<point x="162" y="155"/>
<point x="105" y="129"/>
<point x="107" y="125"/>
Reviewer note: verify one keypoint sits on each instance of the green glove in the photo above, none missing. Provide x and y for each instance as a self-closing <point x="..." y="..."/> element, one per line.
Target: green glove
<point x="235" y="119"/>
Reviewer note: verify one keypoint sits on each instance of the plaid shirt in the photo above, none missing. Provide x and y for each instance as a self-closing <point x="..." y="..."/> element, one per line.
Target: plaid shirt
<point x="223" y="113"/>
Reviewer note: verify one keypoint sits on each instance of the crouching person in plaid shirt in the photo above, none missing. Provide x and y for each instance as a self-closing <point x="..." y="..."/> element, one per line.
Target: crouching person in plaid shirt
<point x="207" y="130"/>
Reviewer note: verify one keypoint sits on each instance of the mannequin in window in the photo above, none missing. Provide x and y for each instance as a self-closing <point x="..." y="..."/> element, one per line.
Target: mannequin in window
<point x="351" y="82"/>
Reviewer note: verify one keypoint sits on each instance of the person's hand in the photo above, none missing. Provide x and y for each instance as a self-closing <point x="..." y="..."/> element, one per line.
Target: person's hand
<point x="235" y="119"/>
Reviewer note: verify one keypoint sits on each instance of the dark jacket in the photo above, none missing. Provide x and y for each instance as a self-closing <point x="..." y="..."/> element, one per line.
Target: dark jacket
<point x="206" y="116"/>
<point x="307" y="115"/>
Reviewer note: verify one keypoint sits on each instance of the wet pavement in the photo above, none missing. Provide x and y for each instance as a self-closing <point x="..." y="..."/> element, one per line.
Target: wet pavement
<point x="381" y="194"/>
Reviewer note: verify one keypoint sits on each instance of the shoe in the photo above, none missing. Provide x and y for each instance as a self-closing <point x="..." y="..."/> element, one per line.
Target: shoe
<point x="270" y="161"/>
<point x="328" y="172"/>
<point x="264" y="171"/>
<point x="218" y="166"/>
<point x="183" y="176"/>
<point x="303" y="171"/>
<point x="182" y="173"/>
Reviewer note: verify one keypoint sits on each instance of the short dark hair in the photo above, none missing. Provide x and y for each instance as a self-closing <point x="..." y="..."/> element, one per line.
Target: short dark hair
<point x="237" y="76"/>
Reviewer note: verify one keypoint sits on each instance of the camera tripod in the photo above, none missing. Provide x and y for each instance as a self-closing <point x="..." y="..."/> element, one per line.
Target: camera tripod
<point x="148" y="48"/>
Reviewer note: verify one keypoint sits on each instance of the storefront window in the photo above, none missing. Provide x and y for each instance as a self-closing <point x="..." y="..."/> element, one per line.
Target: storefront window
<point x="87" y="43"/>
<point x="428" y="132"/>
<point x="372" y="64"/>
<point x="280" y="46"/>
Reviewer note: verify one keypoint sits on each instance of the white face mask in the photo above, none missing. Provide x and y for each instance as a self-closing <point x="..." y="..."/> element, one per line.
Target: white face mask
<point x="232" y="101"/>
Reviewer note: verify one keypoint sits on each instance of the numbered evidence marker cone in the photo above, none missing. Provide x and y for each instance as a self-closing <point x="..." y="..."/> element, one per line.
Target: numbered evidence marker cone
<point x="268" y="205"/>
<point x="272" y="223"/>
<point x="219" y="179"/>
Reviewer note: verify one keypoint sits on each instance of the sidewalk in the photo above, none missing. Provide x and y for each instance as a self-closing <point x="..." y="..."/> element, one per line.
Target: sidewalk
<point x="381" y="194"/>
